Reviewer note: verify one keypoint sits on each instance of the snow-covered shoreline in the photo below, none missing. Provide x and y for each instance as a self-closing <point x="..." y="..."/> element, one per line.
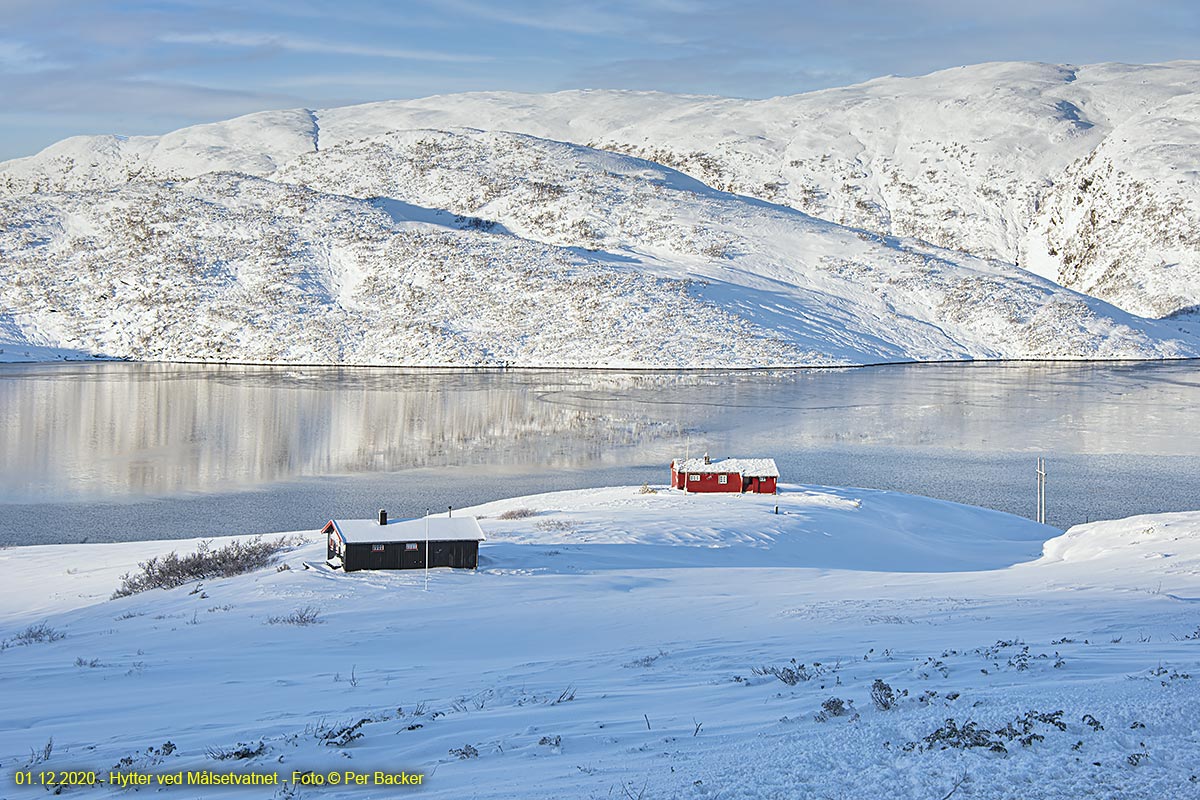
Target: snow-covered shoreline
<point x="613" y="639"/>
<point x="58" y="356"/>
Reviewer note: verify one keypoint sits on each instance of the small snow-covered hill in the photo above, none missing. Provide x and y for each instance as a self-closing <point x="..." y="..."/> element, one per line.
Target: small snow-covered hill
<point x="893" y="220"/>
<point x="856" y="643"/>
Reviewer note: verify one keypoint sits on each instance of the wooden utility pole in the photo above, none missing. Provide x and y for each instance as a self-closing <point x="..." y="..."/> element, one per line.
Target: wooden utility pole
<point x="1041" y="490"/>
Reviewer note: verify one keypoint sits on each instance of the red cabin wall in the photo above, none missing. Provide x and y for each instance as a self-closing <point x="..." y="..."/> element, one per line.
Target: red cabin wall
<point x="760" y="485"/>
<point x="709" y="482"/>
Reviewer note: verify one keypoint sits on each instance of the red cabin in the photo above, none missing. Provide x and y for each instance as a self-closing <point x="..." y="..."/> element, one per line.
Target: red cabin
<point x="759" y="475"/>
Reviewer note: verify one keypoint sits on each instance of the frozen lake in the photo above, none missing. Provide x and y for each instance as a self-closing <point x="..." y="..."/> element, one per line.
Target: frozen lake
<point x="117" y="451"/>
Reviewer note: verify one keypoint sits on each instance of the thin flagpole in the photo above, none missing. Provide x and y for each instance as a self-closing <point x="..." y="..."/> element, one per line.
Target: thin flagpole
<point x="427" y="549"/>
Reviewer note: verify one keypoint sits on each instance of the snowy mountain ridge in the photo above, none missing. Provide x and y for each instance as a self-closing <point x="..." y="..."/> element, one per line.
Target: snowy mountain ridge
<point x="503" y="228"/>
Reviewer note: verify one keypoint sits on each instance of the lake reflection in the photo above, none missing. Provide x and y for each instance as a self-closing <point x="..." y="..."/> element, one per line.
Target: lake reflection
<point x="150" y="443"/>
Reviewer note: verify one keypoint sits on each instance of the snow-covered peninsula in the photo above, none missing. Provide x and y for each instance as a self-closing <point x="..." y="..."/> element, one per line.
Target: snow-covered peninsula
<point x="621" y="643"/>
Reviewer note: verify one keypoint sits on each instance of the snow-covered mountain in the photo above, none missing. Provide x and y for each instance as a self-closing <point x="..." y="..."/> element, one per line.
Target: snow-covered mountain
<point x="881" y="222"/>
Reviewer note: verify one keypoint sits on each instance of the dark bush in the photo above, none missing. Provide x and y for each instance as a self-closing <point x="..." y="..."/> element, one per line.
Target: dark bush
<point x="464" y="752"/>
<point x="242" y="751"/>
<point x="171" y="570"/>
<point x="882" y="695"/>
<point x="34" y="634"/>
<point x="835" y="707"/>
<point x="791" y="673"/>
<point x="341" y="735"/>
<point x="301" y="616"/>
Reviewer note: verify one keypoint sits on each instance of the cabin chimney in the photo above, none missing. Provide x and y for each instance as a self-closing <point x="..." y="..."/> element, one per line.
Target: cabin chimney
<point x="706" y="459"/>
<point x="382" y="517"/>
<point x="449" y="511"/>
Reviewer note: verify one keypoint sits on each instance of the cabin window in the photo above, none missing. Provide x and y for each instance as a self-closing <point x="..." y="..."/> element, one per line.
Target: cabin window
<point x="410" y="546"/>
<point x="693" y="477"/>
<point x="376" y="548"/>
<point x="722" y="479"/>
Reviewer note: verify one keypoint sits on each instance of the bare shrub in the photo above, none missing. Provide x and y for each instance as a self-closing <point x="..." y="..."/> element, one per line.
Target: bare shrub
<point x="152" y="756"/>
<point x="242" y="751"/>
<point x="793" y="672"/>
<point x="338" y="735"/>
<point x="517" y="513"/>
<point x="554" y="525"/>
<point x="171" y="570"/>
<point x="301" y="616"/>
<point x="1189" y="637"/>
<point x="39" y="755"/>
<point x="882" y="695"/>
<point x="465" y="752"/>
<point x="647" y="489"/>
<point x="834" y="707"/>
<point x="647" y="660"/>
<point x="34" y="634"/>
<point x="969" y="735"/>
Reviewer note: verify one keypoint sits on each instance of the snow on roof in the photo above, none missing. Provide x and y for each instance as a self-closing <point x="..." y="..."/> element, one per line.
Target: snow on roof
<point x="441" y="529"/>
<point x="748" y="467"/>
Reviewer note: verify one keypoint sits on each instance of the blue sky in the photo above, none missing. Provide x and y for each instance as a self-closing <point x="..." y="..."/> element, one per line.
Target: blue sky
<point x="76" y="66"/>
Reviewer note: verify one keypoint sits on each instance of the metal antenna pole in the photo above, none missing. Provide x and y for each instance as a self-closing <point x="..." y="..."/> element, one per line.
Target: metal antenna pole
<point x="687" y="457"/>
<point x="427" y="549"/>
<point x="1041" y="490"/>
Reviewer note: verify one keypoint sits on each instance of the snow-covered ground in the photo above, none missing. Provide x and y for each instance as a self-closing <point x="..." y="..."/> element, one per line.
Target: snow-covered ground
<point x="16" y="347"/>
<point x="618" y="644"/>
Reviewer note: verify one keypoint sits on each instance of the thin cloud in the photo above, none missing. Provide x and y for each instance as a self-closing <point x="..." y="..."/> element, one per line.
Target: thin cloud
<point x="561" y="18"/>
<point x="385" y="80"/>
<point x="305" y="45"/>
<point x="18" y="57"/>
<point x="147" y="98"/>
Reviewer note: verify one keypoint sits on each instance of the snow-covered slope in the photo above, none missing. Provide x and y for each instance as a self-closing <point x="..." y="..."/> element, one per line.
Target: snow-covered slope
<point x="1124" y="222"/>
<point x="961" y="158"/>
<point x="488" y="248"/>
<point x="614" y="643"/>
<point x="1085" y="176"/>
<point x="234" y="268"/>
